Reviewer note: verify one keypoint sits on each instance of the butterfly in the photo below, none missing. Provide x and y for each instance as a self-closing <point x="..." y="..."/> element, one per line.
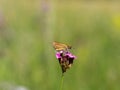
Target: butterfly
<point x="61" y="47"/>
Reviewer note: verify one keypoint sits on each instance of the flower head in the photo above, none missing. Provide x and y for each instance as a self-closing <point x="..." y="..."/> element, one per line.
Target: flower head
<point x="65" y="59"/>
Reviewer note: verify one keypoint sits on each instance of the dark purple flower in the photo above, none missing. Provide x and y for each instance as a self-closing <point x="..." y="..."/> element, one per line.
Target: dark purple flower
<point x="65" y="59"/>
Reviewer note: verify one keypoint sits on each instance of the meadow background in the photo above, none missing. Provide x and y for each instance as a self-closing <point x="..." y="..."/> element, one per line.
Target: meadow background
<point x="28" y="28"/>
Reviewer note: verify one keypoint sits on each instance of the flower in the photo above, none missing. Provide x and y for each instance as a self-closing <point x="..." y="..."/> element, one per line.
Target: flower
<point x="65" y="59"/>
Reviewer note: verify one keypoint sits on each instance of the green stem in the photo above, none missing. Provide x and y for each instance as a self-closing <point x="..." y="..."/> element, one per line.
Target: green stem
<point x="61" y="83"/>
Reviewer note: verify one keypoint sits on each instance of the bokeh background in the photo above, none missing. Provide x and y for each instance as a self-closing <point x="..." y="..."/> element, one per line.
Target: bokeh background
<point x="28" y="28"/>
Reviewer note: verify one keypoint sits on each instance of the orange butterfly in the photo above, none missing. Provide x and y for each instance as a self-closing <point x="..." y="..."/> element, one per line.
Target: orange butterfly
<point x="61" y="47"/>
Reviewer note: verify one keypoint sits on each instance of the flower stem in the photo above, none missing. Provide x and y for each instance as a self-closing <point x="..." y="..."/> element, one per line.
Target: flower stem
<point x="61" y="83"/>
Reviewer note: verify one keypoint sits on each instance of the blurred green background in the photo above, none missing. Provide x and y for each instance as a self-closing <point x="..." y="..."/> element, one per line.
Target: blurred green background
<point x="28" y="28"/>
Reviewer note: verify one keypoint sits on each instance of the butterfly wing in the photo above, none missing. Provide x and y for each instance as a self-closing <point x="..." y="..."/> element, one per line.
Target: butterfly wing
<point x="59" y="46"/>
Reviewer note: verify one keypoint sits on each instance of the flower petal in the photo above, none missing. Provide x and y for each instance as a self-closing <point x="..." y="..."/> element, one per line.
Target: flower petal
<point x="71" y="56"/>
<point x="58" y="55"/>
